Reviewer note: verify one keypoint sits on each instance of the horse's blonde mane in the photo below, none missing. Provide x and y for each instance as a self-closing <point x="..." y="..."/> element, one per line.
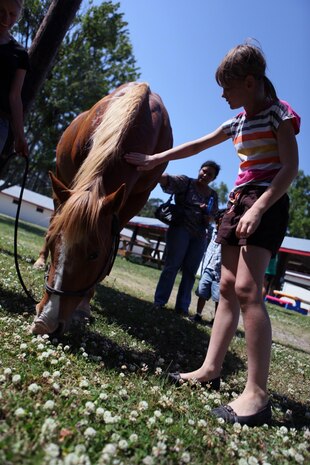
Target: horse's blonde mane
<point x="107" y="138"/>
<point x="79" y="215"/>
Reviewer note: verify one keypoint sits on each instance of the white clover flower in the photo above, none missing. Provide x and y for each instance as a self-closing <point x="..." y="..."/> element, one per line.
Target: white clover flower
<point x="133" y="415"/>
<point x="159" y="449"/>
<point x="109" y="449"/>
<point x="169" y="420"/>
<point x="65" y="393"/>
<point x="307" y="434"/>
<point x="143" y="405"/>
<point x="237" y="427"/>
<point x="157" y="413"/>
<point x="49" y="405"/>
<point x="84" y="384"/>
<point x="74" y="459"/>
<point x="103" y="396"/>
<point x="23" y="346"/>
<point x="242" y="461"/>
<point x="185" y="457"/>
<point x="109" y="418"/>
<point x="52" y="450"/>
<point x="46" y="374"/>
<point x="7" y="371"/>
<point x="99" y="412"/>
<point x="158" y="371"/>
<point x="56" y="374"/>
<point x="155" y="389"/>
<point x="48" y="430"/>
<point x="90" y="432"/>
<point x="123" y="444"/>
<point x="282" y="430"/>
<point x="148" y="460"/>
<point x="16" y="379"/>
<point x="66" y="348"/>
<point x="299" y="458"/>
<point x="20" y="412"/>
<point x="151" y="421"/>
<point x="202" y="423"/>
<point x="90" y="407"/>
<point x="252" y="460"/>
<point x="34" y="388"/>
<point x="191" y="422"/>
<point x="56" y="387"/>
<point x="133" y="437"/>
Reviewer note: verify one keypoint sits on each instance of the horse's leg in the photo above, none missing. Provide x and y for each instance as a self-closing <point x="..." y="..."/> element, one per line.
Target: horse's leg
<point x="40" y="263"/>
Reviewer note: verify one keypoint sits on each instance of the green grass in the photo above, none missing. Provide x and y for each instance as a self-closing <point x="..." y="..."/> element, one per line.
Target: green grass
<point x="97" y="396"/>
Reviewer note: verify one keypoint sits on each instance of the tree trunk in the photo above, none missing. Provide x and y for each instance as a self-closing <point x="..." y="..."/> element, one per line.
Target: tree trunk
<point x="46" y="44"/>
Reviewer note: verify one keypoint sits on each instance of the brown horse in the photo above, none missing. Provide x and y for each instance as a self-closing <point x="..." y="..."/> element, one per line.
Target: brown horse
<point x="96" y="193"/>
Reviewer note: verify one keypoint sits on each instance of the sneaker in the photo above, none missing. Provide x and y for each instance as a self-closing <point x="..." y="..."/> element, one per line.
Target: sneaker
<point x="197" y="318"/>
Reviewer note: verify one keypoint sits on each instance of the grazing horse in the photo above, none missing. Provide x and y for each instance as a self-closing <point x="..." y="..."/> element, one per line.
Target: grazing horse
<point x="96" y="192"/>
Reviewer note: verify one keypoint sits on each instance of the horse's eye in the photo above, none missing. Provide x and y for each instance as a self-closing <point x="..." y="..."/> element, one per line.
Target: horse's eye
<point x="93" y="256"/>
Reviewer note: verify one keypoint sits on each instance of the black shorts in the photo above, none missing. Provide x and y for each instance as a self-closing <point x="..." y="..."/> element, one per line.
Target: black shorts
<point x="270" y="231"/>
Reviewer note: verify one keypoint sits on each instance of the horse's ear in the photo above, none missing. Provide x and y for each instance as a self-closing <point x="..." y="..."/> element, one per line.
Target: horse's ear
<point x="113" y="202"/>
<point x="60" y="191"/>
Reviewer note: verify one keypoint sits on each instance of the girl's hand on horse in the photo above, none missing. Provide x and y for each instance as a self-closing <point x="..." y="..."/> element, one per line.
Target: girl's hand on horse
<point x="142" y="161"/>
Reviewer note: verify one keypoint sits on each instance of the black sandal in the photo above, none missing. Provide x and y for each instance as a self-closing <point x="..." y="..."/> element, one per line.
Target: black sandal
<point x="213" y="384"/>
<point x="257" y="419"/>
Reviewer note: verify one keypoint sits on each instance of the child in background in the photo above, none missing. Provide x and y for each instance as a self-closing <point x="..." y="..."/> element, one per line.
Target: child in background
<point x="209" y="283"/>
<point x="270" y="273"/>
<point x="253" y="226"/>
<point x="14" y="64"/>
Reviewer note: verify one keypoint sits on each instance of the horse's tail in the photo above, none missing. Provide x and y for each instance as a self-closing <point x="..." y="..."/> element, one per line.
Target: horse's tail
<point x="109" y="135"/>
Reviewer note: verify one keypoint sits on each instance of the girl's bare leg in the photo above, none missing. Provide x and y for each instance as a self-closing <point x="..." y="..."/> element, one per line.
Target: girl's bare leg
<point x="249" y="281"/>
<point x="225" y="322"/>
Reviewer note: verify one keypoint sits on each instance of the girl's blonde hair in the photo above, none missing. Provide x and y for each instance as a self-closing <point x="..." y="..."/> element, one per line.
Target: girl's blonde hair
<point x="241" y="61"/>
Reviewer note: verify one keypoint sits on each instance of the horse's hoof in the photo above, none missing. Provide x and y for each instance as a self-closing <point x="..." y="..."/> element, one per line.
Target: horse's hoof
<point x="39" y="264"/>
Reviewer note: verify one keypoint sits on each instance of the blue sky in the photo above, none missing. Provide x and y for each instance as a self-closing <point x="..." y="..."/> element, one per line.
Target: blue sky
<point x="178" y="45"/>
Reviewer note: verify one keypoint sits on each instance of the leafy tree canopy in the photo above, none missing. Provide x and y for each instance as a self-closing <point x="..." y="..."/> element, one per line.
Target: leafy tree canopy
<point x="299" y="193"/>
<point x="95" y="57"/>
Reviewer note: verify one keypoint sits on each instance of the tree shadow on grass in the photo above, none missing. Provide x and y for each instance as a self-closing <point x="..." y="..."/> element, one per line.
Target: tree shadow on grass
<point x="174" y="343"/>
<point x="16" y="302"/>
<point x="293" y="412"/>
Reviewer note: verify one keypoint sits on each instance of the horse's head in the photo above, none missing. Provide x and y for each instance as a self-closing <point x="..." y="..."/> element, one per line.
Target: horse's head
<point x="83" y="240"/>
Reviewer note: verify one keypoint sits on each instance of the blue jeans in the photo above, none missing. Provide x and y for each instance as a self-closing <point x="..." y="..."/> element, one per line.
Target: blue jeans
<point x="185" y="252"/>
<point x="208" y="286"/>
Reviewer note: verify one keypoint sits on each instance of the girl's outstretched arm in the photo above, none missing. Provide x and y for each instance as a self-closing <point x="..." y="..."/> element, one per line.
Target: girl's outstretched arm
<point x="146" y="162"/>
<point x="288" y="152"/>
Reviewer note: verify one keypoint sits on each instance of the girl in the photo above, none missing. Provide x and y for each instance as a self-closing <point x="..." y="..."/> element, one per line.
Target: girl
<point x="253" y="225"/>
<point x="14" y="64"/>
